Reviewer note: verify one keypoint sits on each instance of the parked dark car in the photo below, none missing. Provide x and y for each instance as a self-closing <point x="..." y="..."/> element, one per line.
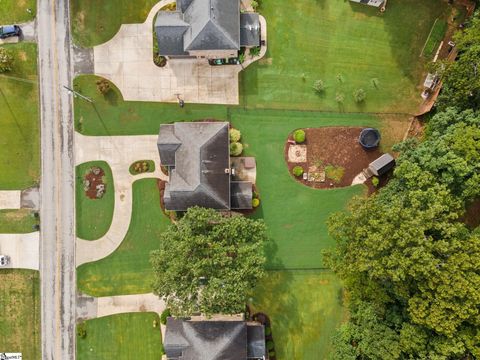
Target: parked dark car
<point x="7" y="31"/>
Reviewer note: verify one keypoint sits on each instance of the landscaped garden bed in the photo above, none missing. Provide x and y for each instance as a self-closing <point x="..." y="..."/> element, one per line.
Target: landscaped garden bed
<point x="94" y="183"/>
<point x="141" y="167"/>
<point x="328" y="157"/>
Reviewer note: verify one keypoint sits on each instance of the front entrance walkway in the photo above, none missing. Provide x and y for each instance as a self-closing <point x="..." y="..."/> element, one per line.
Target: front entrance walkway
<point x="127" y="61"/>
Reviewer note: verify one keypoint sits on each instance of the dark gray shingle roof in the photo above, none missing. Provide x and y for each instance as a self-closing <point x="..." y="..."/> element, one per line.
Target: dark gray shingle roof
<point x="199" y="25"/>
<point x="205" y="340"/>
<point x="249" y="29"/>
<point x="199" y="177"/>
<point x="241" y="195"/>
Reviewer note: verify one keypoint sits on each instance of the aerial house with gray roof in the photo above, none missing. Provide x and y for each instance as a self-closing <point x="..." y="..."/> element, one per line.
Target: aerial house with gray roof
<point x="197" y="155"/>
<point x="209" y="29"/>
<point x="214" y="340"/>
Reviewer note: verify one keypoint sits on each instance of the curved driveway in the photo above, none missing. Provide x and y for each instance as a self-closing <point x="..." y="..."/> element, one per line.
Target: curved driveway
<point x="119" y="152"/>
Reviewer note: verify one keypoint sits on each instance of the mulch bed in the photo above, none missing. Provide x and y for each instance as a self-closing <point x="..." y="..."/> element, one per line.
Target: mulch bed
<point x="337" y="146"/>
<point x="94" y="181"/>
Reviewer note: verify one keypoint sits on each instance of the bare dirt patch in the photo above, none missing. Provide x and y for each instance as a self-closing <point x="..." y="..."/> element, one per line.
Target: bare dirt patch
<point x="332" y="152"/>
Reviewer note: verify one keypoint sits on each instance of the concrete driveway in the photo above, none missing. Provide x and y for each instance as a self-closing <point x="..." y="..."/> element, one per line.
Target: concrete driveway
<point x="22" y="249"/>
<point x="119" y="152"/>
<point x="127" y="61"/>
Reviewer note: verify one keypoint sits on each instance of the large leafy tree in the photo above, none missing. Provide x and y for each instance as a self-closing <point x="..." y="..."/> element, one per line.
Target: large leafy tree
<point x="462" y="77"/>
<point x="410" y="266"/>
<point x="208" y="263"/>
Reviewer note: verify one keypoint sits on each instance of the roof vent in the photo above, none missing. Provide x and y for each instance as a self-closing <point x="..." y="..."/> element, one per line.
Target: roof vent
<point x="227" y="171"/>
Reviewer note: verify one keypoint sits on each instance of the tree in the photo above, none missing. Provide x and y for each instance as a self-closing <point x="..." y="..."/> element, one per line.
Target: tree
<point x="208" y="263"/>
<point x="339" y="98"/>
<point x="359" y="95"/>
<point x="103" y="86"/>
<point x="6" y="60"/>
<point x="319" y="86"/>
<point x="461" y="79"/>
<point x="409" y="264"/>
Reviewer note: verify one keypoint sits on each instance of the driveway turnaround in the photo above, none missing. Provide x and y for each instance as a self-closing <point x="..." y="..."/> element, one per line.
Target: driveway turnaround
<point x="22" y="250"/>
<point x="10" y="199"/>
<point x="127" y="61"/>
<point x="119" y="152"/>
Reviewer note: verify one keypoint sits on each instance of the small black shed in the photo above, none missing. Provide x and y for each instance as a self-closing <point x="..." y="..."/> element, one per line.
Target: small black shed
<point x="382" y="165"/>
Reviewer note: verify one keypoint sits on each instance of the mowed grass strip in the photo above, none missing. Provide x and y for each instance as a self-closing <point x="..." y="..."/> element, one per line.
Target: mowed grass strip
<point x="305" y="308"/>
<point x="94" y="216"/>
<point x="295" y="214"/>
<point x="348" y="46"/>
<point x="111" y="115"/>
<point x="97" y="21"/>
<point x="20" y="313"/>
<point x="128" y="269"/>
<point x="19" y="120"/>
<point x="19" y="221"/>
<point x="121" y="337"/>
<point x="15" y="11"/>
<point x="436" y="36"/>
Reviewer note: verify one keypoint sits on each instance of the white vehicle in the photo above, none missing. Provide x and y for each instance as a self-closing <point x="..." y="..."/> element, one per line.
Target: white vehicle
<point x="4" y="260"/>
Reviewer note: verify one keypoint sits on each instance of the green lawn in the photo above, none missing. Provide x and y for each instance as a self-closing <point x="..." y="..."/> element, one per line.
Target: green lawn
<point x="97" y="21"/>
<point x="305" y="308"/>
<point x="295" y="214"/>
<point x="17" y="221"/>
<point x="111" y="115"/>
<point x="20" y="313"/>
<point x="128" y="270"/>
<point x="19" y="121"/>
<point x="94" y="216"/>
<point x="121" y="337"/>
<point x="347" y="45"/>
<point x="15" y="11"/>
<point x="436" y="36"/>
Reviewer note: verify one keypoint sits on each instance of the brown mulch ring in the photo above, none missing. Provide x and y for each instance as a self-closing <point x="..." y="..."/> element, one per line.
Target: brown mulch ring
<point x="337" y="146"/>
<point x="93" y="181"/>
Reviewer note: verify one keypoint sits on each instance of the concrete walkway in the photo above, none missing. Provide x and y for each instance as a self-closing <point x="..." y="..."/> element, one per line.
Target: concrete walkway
<point x="119" y="152"/>
<point x="22" y="249"/>
<point x="10" y="199"/>
<point x="90" y="307"/>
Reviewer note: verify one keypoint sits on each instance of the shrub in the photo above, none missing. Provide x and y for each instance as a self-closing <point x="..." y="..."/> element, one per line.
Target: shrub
<point x="268" y="331"/>
<point x="319" y="86"/>
<point x="297" y="171"/>
<point x="299" y="136"/>
<point x="255" y="202"/>
<point x="164" y="315"/>
<point x="254" y="4"/>
<point x="103" y="86"/>
<point x="235" y="135"/>
<point x="162" y="349"/>
<point x="271" y="354"/>
<point x="254" y="51"/>
<point x="6" y="60"/>
<point x="82" y="330"/>
<point x="359" y="95"/>
<point x="236" y="149"/>
<point x="334" y="173"/>
<point x="375" y="181"/>
<point x="241" y="58"/>
<point x="339" y="98"/>
<point x="159" y="60"/>
<point x="270" y="345"/>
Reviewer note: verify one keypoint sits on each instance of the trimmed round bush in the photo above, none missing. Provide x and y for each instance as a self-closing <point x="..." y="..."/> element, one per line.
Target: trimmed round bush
<point x="236" y="148"/>
<point x="375" y="181"/>
<point x="299" y="136"/>
<point x="268" y="331"/>
<point x="82" y="330"/>
<point x="164" y="315"/>
<point x="297" y="171"/>
<point x="270" y="345"/>
<point x="235" y="135"/>
<point x="255" y="202"/>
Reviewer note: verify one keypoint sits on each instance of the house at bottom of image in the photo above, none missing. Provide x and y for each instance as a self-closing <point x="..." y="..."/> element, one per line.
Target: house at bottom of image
<point x="201" y="172"/>
<point x="214" y="340"/>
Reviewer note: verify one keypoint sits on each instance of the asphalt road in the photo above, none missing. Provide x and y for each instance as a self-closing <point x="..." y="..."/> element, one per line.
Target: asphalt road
<point x="57" y="249"/>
